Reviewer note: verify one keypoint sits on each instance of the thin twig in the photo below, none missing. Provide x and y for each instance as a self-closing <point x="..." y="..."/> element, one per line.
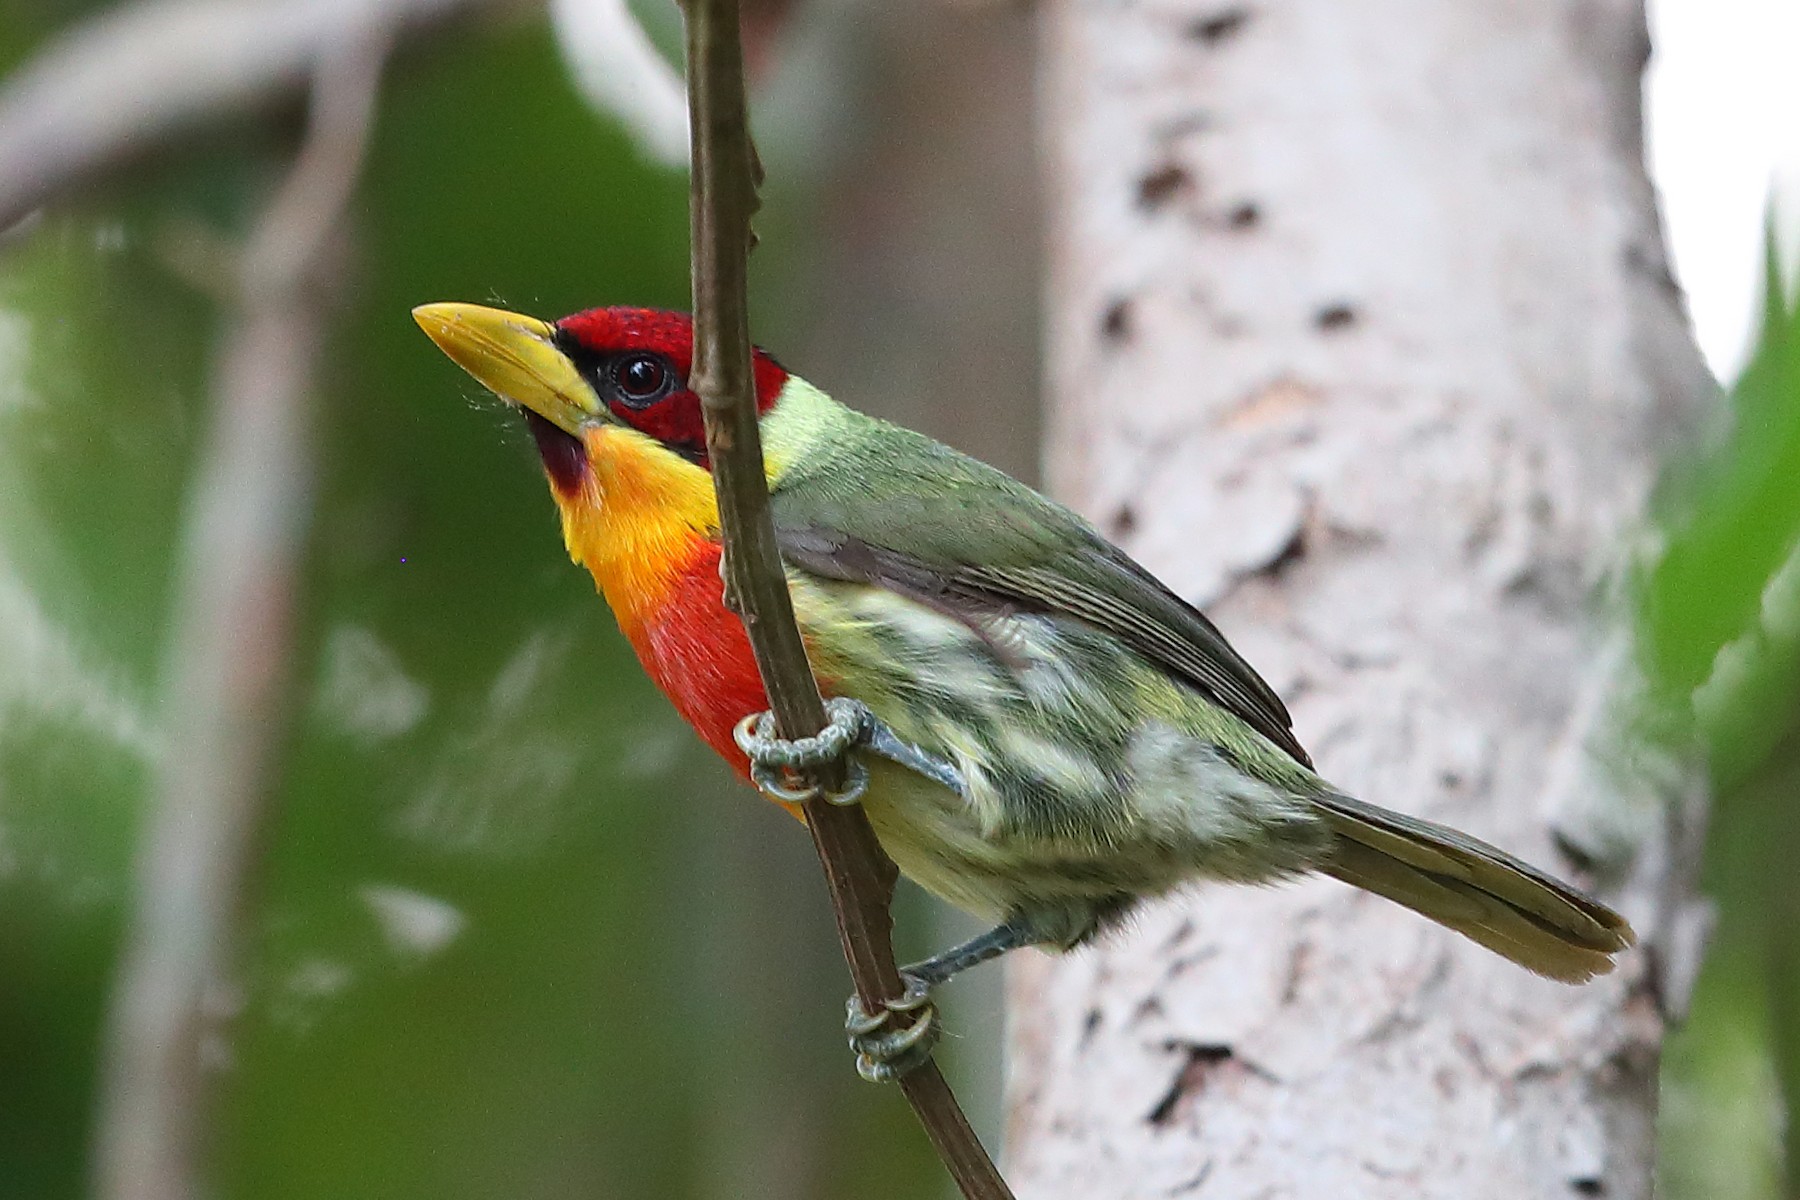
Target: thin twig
<point x="227" y="664"/>
<point x="859" y="875"/>
<point x="116" y="86"/>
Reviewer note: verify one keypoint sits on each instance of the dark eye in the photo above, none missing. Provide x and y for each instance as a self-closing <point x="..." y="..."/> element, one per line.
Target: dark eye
<point x="640" y="376"/>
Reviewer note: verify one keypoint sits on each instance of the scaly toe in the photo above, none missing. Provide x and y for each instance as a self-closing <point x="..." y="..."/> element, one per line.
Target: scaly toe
<point x="773" y="759"/>
<point x="885" y="1053"/>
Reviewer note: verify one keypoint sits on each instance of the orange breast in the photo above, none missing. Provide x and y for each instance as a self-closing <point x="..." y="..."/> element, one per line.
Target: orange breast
<point x="644" y="522"/>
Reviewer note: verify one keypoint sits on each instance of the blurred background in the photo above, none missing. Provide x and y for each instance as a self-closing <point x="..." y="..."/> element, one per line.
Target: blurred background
<point x="509" y="930"/>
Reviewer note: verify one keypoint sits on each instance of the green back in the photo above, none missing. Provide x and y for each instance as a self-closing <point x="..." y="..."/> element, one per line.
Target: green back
<point x="865" y="501"/>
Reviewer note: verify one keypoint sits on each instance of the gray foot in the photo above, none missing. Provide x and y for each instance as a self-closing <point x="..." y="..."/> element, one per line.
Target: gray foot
<point x="879" y="739"/>
<point x="773" y="760"/>
<point x="884" y="1049"/>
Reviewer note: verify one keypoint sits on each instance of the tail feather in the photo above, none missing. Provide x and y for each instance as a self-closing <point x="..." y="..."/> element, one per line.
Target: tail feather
<point x="1481" y="892"/>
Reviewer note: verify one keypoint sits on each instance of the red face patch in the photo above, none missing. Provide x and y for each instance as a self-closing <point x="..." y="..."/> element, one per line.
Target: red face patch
<point x="637" y="361"/>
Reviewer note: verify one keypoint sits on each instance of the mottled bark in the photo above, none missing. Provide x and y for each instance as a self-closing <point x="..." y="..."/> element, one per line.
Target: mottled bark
<point x="1360" y="336"/>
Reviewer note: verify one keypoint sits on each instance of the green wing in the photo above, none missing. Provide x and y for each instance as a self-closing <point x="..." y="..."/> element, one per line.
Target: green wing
<point x="885" y="506"/>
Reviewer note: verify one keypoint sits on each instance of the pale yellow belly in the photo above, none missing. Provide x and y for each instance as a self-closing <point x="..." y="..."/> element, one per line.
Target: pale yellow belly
<point x="937" y="840"/>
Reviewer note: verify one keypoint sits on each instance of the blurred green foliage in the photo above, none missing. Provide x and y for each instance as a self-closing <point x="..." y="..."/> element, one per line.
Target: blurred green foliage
<point x="515" y="934"/>
<point x="507" y="939"/>
<point x="1722" y="626"/>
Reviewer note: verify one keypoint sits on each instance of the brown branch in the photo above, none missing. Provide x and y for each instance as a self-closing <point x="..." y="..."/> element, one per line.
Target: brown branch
<point x="227" y="662"/>
<point x="859" y="875"/>
<point x="115" y="87"/>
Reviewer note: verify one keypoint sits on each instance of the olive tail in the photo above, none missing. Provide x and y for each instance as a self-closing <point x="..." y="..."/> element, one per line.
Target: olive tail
<point x="1483" y="893"/>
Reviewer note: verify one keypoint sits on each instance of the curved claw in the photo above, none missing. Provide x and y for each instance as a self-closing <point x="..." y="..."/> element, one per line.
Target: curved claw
<point x="772" y="757"/>
<point x="885" y="1053"/>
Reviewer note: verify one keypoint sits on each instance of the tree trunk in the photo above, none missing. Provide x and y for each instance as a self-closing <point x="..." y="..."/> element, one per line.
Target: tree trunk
<point x="1361" y="337"/>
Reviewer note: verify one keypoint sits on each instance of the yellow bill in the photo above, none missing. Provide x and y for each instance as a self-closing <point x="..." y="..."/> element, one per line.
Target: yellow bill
<point x="515" y="357"/>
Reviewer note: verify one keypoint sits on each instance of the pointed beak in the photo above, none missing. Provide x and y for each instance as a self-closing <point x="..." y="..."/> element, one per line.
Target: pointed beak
<point x="516" y="358"/>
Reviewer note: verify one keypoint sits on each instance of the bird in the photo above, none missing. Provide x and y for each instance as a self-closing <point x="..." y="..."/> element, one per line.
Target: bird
<point x="1046" y="734"/>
